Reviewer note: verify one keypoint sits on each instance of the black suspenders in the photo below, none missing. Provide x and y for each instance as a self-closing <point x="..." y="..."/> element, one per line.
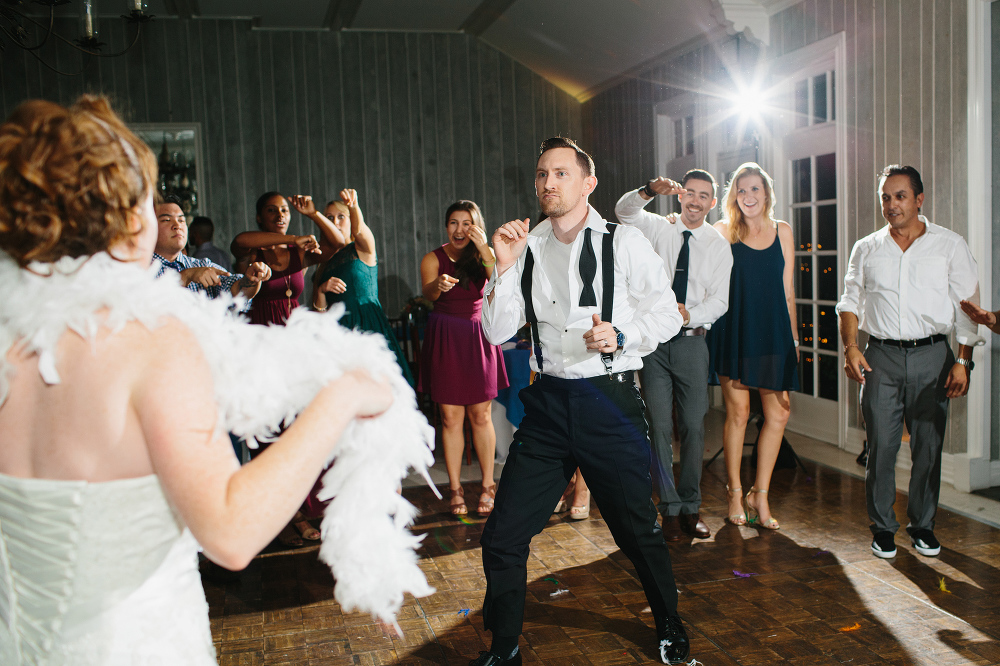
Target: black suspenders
<point x="608" y="298"/>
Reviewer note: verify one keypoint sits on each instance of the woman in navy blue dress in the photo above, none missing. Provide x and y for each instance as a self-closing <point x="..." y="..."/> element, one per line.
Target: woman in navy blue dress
<point x="755" y="344"/>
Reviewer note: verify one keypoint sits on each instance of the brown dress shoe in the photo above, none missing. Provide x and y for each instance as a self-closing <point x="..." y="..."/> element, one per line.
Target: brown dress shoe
<point x="672" y="529"/>
<point x="691" y="524"/>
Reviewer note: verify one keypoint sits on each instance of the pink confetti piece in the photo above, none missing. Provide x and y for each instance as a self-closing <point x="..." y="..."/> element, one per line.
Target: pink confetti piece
<point x="740" y="574"/>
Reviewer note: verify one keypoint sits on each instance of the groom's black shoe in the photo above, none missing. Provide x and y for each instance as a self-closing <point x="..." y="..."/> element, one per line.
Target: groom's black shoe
<point x="674" y="647"/>
<point x="490" y="659"/>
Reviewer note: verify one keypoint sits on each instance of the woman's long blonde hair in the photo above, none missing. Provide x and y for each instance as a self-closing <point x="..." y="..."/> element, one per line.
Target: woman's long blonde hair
<point x="736" y="226"/>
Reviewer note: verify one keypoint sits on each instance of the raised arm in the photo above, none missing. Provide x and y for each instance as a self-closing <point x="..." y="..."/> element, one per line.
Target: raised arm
<point x="335" y="240"/>
<point x="364" y="240"/>
<point x="245" y="243"/>
<point x="235" y="511"/>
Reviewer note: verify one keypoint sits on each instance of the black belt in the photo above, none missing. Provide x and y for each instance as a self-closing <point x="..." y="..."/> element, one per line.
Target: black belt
<point x="686" y="332"/>
<point x="626" y="377"/>
<point x="910" y="344"/>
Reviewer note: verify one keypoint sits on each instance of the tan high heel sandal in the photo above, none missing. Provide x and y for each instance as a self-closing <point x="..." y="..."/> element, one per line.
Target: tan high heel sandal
<point x="736" y="518"/>
<point x="581" y="512"/>
<point x="457" y="504"/>
<point x="486" y="500"/>
<point x="770" y="523"/>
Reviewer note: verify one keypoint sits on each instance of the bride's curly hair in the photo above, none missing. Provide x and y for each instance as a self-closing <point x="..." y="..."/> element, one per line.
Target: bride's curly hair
<point x="69" y="180"/>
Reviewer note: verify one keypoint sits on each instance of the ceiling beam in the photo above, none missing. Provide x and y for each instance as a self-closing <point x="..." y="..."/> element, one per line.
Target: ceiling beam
<point x="340" y="14"/>
<point x="184" y="9"/>
<point x="485" y="15"/>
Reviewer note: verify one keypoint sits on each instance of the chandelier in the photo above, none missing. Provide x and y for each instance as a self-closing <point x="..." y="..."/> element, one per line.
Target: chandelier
<point x="30" y="31"/>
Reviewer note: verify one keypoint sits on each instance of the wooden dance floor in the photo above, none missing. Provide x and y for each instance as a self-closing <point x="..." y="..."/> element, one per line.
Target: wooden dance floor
<point x="811" y="593"/>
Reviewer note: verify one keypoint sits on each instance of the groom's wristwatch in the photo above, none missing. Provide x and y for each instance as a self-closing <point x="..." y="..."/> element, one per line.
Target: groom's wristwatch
<point x="967" y="362"/>
<point x="620" y="338"/>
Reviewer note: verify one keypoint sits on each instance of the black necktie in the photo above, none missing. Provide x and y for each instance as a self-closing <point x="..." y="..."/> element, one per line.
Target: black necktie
<point x="588" y="270"/>
<point x="680" y="284"/>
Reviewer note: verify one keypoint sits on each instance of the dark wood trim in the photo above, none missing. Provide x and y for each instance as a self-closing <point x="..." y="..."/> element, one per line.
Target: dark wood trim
<point x="340" y="14"/>
<point x="483" y="16"/>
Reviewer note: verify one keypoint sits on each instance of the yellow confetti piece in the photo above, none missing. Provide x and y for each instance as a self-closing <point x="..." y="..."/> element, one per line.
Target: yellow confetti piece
<point x="942" y="586"/>
<point x="853" y="627"/>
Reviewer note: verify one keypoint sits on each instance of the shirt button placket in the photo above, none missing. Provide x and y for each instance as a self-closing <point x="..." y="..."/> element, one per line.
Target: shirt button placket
<point x="904" y="292"/>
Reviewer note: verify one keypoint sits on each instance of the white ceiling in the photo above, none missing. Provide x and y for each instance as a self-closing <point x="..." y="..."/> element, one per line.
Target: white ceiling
<point x="578" y="45"/>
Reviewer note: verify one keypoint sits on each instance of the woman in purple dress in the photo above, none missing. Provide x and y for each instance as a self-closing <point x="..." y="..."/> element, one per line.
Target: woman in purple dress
<point x="460" y="370"/>
<point x="288" y="256"/>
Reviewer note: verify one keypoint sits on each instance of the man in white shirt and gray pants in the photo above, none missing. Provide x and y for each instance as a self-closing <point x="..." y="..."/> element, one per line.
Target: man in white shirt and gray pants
<point x="699" y="262"/>
<point x="598" y="300"/>
<point x="903" y="288"/>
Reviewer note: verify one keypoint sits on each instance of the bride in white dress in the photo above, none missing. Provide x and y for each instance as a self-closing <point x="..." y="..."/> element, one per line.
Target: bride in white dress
<point x="112" y="465"/>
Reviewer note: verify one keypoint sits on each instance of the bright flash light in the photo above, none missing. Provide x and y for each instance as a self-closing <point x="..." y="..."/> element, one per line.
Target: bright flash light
<point x="749" y="103"/>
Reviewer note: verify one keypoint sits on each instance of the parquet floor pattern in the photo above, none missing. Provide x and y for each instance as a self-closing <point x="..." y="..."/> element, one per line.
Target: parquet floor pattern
<point x="811" y="593"/>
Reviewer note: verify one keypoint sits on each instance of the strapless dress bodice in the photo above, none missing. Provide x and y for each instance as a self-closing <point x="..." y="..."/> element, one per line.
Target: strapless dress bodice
<point x="98" y="573"/>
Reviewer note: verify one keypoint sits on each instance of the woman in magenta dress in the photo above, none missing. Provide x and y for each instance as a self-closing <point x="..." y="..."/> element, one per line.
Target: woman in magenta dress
<point x="287" y="255"/>
<point x="459" y="369"/>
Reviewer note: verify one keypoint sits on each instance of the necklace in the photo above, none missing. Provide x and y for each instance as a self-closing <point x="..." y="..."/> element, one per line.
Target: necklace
<point x="288" y="287"/>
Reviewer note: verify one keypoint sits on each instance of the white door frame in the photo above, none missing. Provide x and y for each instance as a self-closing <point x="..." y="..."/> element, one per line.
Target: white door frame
<point x="826" y="54"/>
<point x="973" y="469"/>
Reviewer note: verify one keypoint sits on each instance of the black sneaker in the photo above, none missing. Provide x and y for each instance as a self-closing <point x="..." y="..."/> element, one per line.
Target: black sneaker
<point x="674" y="645"/>
<point x="925" y="543"/>
<point x="884" y="545"/>
<point x="490" y="659"/>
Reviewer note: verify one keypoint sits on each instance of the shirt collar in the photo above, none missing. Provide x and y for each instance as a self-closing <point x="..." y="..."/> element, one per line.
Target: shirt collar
<point x="594" y="221"/>
<point x="697" y="234"/>
<point x="163" y="260"/>
<point x="928" y="228"/>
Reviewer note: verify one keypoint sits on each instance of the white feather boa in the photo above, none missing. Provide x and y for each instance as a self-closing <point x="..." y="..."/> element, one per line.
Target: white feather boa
<point x="365" y="537"/>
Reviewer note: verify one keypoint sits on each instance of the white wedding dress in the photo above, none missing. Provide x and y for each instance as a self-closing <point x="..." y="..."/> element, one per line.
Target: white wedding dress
<point x="98" y="574"/>
<point x="106" y="573"/>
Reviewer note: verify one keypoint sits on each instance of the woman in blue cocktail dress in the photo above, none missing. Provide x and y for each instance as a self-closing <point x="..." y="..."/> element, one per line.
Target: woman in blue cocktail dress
<point x="754" y="345"/>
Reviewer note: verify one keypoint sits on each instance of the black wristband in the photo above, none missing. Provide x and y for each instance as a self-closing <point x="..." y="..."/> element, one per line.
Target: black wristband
<point x="648" y="190"/>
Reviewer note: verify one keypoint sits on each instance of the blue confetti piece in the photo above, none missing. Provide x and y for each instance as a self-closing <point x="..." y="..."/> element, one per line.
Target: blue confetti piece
<point x="464" y="611"/>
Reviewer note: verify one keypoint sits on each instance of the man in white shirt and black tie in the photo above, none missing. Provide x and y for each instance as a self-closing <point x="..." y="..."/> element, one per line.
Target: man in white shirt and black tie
<point x="699" y="262"/>
<point x="903" y="287"/>
<point x="597" y="299"/>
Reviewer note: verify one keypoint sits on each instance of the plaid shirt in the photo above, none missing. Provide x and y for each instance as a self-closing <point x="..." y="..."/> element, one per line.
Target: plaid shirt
<point x="183" y="262"/>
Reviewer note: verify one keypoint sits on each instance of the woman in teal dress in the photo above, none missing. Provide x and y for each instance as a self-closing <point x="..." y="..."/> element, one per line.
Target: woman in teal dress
<point x="351" y="277"/>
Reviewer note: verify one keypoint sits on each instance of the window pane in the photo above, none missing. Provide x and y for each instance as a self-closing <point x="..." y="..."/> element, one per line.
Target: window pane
<point x="819" y="99"/>
<point x="826" y="227"/>
<point x="826" y="337"/>
<point x="802" y="228"/>
<point x="678" y="138"/>
<point x="827" y="279"/>
<point x="802" y="103"/>
<point x="833" y="95"/>
<point x="829" y="376"/>
<point x="806" y="368"/>
<point x="803" y="277"/>
<point x="826" y="176"/>
<point x="804" y="313"/>
<point x="689" y="135"/>
<point x="801" y="180"/>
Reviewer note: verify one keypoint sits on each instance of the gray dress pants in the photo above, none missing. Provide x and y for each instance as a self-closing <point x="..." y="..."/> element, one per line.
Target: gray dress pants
<point x="678" y="368"/>
<point x="905" y="386"/>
